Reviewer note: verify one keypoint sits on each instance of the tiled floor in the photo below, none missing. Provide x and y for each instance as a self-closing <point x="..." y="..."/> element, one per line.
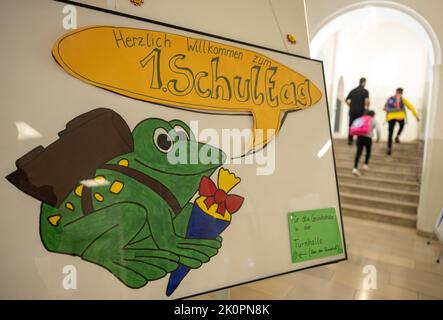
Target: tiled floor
<point x="406" y="269"/>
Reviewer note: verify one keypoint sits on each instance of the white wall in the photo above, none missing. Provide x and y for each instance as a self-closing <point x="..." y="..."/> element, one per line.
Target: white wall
<point x="261" y="22"/>
<point x="431" y="200"/>
<point x="328" y="56"/>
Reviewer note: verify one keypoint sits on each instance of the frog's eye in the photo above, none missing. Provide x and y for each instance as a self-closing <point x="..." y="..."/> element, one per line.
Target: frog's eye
<point x="162" y="140"/>
<point x="181" y="133"/>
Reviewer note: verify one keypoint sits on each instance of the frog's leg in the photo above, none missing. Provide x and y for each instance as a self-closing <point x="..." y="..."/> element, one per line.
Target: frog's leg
<point x="144" y="238"/>
<point x="110" y="230"/>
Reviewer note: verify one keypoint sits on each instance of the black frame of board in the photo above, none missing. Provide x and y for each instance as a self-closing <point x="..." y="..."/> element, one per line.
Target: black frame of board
<point x="125" y="15"/>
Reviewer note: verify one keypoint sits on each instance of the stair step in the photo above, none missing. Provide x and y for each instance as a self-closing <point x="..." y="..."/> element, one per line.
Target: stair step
<point x="350" y="154"/>
<point x="376" y="152"/>
<point x="383" y="147"/>
<point x="382" y="166"/>
<point x="388" y="174"/>
<point x="412" y="166"/>
<point x="384" y="193"/>
<point x="381" y="152"/>
<point x="380" y="215"/>
<point x="402" y="145"/>
<point x="378" y="203"/>
<point x="378" y="182"/>
<point x="389" y="190"/>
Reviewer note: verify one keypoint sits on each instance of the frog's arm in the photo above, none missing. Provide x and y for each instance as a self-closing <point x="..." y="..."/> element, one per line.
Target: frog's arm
<point x="108" y="231"/>
<point x="169" y="235"/>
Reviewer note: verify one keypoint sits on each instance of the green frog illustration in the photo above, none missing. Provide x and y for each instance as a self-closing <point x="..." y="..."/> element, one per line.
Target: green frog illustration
<point x="131" y="215"/>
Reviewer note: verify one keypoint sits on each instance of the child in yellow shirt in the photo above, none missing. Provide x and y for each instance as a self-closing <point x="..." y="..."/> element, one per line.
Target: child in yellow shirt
<point x="396" y="112"/>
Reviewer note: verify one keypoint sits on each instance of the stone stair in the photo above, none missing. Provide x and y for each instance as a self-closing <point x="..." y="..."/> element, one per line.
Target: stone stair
<point x="389" y="190"/>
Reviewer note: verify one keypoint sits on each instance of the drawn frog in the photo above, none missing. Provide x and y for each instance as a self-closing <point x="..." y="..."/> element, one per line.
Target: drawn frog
<point x="131" y="217"/>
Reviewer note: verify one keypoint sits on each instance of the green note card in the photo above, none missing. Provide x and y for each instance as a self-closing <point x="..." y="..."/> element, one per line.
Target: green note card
<point x="314" y="234"/>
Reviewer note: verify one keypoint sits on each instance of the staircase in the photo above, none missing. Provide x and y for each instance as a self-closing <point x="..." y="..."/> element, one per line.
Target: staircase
<point x="389" y="190"/>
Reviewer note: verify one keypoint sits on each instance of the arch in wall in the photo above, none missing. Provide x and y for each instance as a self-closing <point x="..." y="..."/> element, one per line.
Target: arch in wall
<point x="334" y="22"/>
<point x="432" y="87"/>
<point x="431" y="37"/>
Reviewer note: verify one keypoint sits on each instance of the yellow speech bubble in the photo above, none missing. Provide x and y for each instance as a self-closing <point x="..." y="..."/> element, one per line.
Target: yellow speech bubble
<point x="185" y="72"/>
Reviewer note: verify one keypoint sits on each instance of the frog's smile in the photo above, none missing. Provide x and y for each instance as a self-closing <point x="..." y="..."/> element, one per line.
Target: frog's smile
<point x="171" y="173"/>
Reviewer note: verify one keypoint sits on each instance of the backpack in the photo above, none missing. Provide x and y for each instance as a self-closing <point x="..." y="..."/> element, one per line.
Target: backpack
<point x="361" y="126"/>
<point x="392" y="105"/>
<point x="49" y="174"/>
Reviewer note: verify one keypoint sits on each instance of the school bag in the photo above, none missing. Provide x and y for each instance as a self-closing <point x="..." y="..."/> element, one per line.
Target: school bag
<point x="361" y="126"/>
<point x="393" y="104"/>
<point x="90" y="140"/>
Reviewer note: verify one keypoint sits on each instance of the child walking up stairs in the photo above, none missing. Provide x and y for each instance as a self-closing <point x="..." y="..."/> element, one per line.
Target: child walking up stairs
<point x="389" y="190"/>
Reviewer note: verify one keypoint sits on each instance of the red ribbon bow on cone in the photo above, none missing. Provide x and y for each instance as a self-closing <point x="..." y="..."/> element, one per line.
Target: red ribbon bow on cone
<point x="225" y="202"/>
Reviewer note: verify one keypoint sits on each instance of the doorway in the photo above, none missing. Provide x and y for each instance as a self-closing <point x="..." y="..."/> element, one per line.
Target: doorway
<point x="387" y="46"/>
<point x="392" y="46"/>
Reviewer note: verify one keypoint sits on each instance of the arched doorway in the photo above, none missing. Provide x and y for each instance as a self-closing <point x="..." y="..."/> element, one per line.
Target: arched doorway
<point x="392" y="45"/>
<point x="389" y="44"/>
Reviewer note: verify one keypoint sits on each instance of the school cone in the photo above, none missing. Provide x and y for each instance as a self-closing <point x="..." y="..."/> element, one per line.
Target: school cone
<point x="210" y="216"/>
